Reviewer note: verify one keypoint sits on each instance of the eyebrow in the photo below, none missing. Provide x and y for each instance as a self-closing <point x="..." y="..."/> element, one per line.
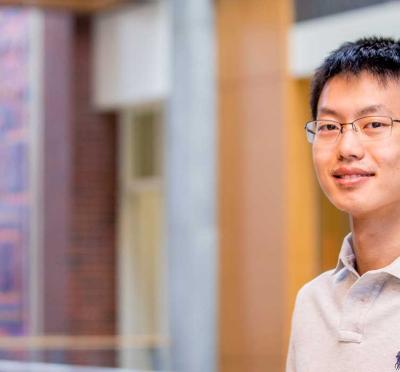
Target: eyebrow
<point x="372" y="109"/>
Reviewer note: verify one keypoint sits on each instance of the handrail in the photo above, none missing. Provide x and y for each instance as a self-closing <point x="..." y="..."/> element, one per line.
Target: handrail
<point x="82" y="342"/>
<point x="11" y="366"/>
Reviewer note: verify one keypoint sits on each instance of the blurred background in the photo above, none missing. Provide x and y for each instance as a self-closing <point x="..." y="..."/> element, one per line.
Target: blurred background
<point x="158" y="207"/>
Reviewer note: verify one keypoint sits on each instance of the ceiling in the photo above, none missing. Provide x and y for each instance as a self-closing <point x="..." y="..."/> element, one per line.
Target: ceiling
<point x="73" y="5"/>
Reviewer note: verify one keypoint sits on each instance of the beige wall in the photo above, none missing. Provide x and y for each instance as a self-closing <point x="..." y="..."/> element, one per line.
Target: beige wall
<point x="252" y="194"/>
<point x="303" y="211"/>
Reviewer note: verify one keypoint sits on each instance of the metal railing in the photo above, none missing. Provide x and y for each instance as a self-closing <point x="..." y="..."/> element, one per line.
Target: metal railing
<point x="11" y="366"/>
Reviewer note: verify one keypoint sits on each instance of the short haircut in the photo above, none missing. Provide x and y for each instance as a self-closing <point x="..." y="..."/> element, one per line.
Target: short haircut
<point x="376" y="55"/>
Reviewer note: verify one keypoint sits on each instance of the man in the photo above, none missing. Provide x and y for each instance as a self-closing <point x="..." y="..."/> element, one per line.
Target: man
<point x="348" y="319"/>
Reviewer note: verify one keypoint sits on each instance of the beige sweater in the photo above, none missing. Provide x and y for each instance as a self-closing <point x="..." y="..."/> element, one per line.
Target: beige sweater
<point x="346" y="323"/>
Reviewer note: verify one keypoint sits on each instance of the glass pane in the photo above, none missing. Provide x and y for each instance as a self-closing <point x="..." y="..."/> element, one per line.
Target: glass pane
<point x="148" y="255"/>
<point x="145" y="291"/>
<point x="145" y="145"/>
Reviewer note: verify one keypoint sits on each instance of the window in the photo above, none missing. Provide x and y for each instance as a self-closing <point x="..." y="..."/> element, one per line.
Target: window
<point x="141" y="258"/>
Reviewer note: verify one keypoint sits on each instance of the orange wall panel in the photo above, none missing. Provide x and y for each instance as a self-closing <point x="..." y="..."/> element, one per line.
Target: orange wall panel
<point x="252" y="206"/>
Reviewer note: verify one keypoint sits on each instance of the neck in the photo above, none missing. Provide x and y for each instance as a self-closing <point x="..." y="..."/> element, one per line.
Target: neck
<point x="376" y="240"/>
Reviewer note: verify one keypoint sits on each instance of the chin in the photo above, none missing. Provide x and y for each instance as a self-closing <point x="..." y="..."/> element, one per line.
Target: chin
<point x="352" y="206"/>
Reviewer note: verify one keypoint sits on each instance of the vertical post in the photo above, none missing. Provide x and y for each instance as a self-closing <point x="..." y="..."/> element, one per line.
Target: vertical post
<point x="57" y="46"/>
<point x="191" y="188"/>
<point x="252" y="103"/>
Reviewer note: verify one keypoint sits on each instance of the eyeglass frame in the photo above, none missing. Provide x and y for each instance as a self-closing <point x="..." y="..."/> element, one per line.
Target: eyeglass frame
<point x="353" y="126"/>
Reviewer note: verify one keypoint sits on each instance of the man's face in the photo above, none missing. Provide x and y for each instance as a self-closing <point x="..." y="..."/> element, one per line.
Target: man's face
<point x="360" y="177"/>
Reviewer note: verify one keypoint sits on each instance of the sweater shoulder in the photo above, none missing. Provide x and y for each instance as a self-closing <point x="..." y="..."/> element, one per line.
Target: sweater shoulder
<point x="321" y="283"/>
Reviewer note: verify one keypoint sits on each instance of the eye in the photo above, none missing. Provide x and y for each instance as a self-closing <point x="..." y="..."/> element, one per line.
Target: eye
<point x="375" y="125"/>
<point x="327" y="127"/>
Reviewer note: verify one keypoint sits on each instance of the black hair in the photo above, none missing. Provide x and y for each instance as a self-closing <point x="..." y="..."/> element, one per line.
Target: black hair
<point x="376" y="55"/>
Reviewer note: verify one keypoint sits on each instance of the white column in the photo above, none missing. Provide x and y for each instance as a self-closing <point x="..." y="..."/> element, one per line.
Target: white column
<point x="190" y="154"/>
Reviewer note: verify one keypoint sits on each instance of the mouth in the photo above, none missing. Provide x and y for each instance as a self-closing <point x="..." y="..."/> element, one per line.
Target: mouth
<point x="351" y="176"/>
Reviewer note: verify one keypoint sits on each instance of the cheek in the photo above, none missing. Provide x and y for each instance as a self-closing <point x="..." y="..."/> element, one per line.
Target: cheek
<point x="388" y="162"/>
<point x="321" y="160"/>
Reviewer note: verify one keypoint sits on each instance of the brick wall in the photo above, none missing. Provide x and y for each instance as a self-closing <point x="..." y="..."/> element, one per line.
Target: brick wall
<point x="91" y="305"/>
<point x="80" y="270"/>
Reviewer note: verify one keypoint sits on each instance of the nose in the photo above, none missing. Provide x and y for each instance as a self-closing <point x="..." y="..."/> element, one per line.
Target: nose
<point x="349" y="145"/>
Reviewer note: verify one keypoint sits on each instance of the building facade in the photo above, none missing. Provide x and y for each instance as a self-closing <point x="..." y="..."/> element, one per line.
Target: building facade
<point x="158" y="208"/>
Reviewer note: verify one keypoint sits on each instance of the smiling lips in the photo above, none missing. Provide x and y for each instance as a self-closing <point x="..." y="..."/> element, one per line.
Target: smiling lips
<point x="351" y="176"/>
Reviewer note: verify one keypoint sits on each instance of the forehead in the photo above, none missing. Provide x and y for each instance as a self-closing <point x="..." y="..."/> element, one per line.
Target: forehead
<point x="345" y="96"/>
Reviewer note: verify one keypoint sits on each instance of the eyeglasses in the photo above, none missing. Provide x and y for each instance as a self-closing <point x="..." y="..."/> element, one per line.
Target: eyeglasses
<point x="368" y="128"/>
